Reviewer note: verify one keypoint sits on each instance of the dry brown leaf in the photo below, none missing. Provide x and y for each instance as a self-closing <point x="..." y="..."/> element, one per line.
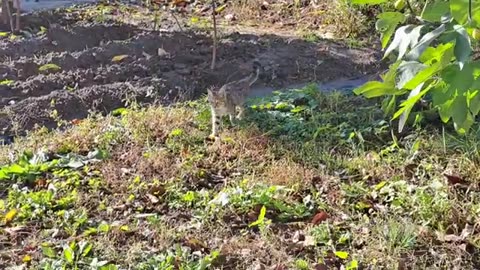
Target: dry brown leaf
<point x="409" y="170"/>
<point x="76" y="121"/>
<point x="41" y="183"/>
<point x="454" y="179"/>
<point x="319" y="217"/>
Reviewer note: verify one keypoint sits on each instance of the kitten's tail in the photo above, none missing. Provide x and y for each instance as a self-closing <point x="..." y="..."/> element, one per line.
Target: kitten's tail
<point x="257" y="67"/>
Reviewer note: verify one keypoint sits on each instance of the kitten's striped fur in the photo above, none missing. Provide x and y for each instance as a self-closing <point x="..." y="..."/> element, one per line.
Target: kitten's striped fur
<point x="229" y="97"/>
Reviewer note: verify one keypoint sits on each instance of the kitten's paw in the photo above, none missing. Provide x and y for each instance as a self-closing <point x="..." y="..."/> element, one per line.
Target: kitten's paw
<point x="212" y="137"/>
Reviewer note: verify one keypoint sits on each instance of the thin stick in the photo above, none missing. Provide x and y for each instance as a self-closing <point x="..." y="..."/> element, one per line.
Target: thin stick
<point x="17" y="19"/>
<point x="410" y="7"/>
<point x="214" y="53"/>
<point x="9" y="14"/>
<point x="3" y="15"/>
<point x="469" y="11"/>
<point x="176" y="20"/>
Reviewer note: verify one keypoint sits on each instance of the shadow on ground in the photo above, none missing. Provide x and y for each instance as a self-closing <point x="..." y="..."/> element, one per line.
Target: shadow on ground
<point x="77" y="67"/>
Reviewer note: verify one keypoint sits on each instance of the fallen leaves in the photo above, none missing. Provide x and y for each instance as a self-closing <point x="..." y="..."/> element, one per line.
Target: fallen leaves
<point x="319" y="217"/>
<point x="10" y="216"/>
<point x="454" y="179"/>
<point x="119" y="58"/>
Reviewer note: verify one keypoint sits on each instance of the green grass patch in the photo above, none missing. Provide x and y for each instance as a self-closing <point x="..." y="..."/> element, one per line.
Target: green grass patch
<point x="305" y="180"/>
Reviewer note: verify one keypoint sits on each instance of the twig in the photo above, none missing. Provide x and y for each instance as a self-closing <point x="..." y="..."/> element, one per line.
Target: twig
<point x="176" y="20"/>
<point x="155" y="20"/>
<point x="17" y="18"/>
<point x="469" y="11"/>
<point x="214" y="53"/>
<point x="9" y="14"/>
<point x="411" y="8"/>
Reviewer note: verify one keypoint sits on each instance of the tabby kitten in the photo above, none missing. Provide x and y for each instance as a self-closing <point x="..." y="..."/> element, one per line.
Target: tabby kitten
<point x="230" y="97"/>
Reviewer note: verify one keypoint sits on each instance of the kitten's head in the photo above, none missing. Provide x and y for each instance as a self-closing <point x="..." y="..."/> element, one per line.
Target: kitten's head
<point x="215" y="96"/>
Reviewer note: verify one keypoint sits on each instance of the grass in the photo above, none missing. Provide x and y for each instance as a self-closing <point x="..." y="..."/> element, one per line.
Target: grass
<point x="306" y="180"/>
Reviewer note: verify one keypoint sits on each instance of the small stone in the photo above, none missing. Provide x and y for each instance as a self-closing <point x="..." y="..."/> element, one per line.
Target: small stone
<point x="230" y="17"/>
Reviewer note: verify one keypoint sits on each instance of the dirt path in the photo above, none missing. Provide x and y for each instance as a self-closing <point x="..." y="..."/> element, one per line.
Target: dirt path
<point x="156" y="67"/>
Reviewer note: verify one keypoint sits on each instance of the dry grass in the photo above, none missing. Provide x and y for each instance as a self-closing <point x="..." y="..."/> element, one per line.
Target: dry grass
<point x="163" y="190"/>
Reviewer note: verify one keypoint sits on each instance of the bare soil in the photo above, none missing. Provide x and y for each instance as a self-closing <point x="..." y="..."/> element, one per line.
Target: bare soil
<point x="160" y="67"/>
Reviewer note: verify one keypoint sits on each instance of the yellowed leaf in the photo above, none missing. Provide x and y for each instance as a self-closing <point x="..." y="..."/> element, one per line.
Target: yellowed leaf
<point x="27" y="259"/>
<point x="118" y="58"/>
<point x="10" y="216"/>
<point x="220" y="8"/>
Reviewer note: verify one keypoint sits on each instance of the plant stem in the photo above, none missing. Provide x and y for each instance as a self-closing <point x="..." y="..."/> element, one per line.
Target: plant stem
<point x="17" y="18"/>
<point x="10" y="16"/>
<point x="214" y="53"/>
<point x="410" y="8"/>
<point x="469" y="11"/>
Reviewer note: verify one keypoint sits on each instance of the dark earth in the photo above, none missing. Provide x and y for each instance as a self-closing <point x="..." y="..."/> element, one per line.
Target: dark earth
<point x="152" y="67"/>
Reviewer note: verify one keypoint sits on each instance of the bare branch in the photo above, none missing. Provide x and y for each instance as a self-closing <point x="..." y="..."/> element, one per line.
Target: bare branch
<point x="214" y="53"/>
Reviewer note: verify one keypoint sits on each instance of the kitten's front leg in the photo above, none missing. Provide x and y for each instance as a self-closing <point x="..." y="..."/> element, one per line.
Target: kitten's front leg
<point x="241" y="112"/>
<point x="215" y="123"/>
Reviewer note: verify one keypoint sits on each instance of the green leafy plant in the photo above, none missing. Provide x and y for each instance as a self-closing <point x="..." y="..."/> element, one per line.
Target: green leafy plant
<point x="73" y="256"/>
<point x="434" y="60"/>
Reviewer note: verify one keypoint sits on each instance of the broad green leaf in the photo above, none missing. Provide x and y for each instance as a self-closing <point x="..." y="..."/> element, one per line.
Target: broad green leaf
<point x="459" y="11"/>
<point x="376" y="89"/>
<point x="407" y="71"/>
<point x="406" y="36"/>
<point x="408" y="104"/>
<point x="424" y="42"/>
<point x="463" y="47"/>
<point x="48" y="252"/>
<point x="434" y="54"/>
<point x="441" y="93"/>
<point x="473" y="101"/>
<point x="434" y="11"/>
<point x="16" y="169"/>
<point x="422" y="76"/>
<point x="428" y="73"/>
<point x="460" y="80"/>
<point x="69" y="254"/>
<point x="341" y="254"/>
<point x="459" y="110"/>
<point x="386" y="24"/>
<point x="353" y="265"/>
<point x="463" y="128"/>
<point x="445" y="110"/>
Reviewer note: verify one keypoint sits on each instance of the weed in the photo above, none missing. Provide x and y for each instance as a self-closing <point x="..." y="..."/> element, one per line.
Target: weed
<point x="155" y="194"/>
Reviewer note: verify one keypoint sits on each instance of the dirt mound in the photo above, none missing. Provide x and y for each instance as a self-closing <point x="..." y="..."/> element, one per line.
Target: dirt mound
<point x="75" y="68"/>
